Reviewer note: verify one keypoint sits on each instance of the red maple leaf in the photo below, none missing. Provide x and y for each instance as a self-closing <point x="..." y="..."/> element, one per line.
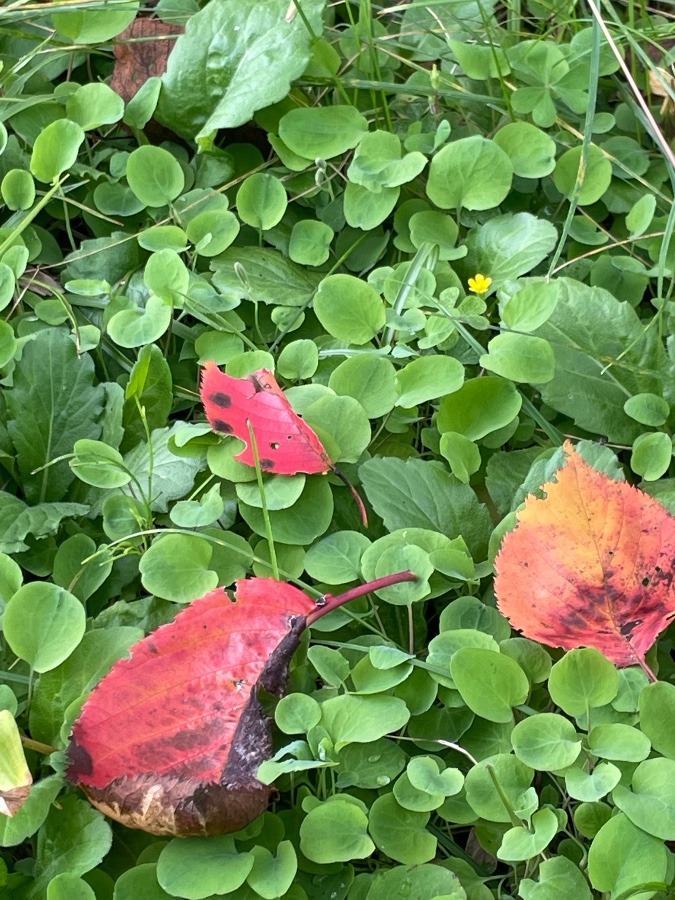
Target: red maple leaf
<point x="590" y="565"/>
<point x="171" y="739"/>
<point x="286" y="444"/>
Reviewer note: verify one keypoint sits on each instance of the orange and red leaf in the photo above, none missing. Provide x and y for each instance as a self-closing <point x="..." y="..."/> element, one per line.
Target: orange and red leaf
<point x="590" y="565"/>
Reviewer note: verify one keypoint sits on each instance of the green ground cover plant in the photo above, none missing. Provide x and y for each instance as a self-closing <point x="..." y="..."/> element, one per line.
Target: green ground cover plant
<point x="447" y="229"/>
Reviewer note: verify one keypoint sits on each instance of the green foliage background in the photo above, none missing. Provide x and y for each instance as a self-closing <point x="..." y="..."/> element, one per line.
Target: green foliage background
<point x="389" y="155"/>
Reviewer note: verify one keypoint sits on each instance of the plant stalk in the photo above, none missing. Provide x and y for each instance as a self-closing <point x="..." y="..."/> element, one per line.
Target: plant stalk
<point x="331" y="602"/>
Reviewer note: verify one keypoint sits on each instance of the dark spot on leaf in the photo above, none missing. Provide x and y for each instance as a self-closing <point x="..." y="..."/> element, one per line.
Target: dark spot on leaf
<point x="274" y="445"/>
<point x="152" y="649"/>
<point x="224" y="401"/>
<point x="219" y="425"/>
<point x="267" y="464"/>
<point x="79" y="761"/>
<point x="628" y="627"/>
<point x="645" y="582"/>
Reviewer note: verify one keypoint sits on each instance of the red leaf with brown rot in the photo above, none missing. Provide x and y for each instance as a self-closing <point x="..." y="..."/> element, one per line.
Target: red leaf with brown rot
<point x="176" y="729"/>
<point x="591" y="565"/>
<point x="286" y="444"/>
<point x="170" y="741"/>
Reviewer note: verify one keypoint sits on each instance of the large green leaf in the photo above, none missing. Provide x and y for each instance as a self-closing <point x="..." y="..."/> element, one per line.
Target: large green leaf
<point x="270" y="277"/>
<point x="417" y="494"/>
<point x="52" y="404"/>
<point x="74" y="839"/>
<point x="603" y="354"/>
<point x="234" y="59"/>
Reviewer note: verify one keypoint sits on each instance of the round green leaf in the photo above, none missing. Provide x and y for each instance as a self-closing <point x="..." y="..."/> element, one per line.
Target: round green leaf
<point x="520" y="357"/>
<point x="462" y="454"/>
<point x="95" y="26"/>
<point x="7" y="284"/>
<point x="73" y="573"/>
<point x="322" y="132"/>
<point x="623" y="856"/>
<point x="366" y="209"/>
<point x="559" y="878"/>
<point x="301" y="523"/>
<point x="198" y="513"/>
<point x="69" y="887"/>
<point x="352" y="719"/>
<point x="93" y="105"/>
<point x="336" y="559"/>
<point x="531" y="306"/>
<point x="480" y="406"/>
<point x="546" y="741"/>
<point x="470" y="613"/>
<point x="43" y="624"/>
<point x="509" y="246"/>
<point x="582" y="680"/>
<point x="369" y="379"/>
<point x="416" y="883"/>
<point x="651" y="455"/>
<point x="281" y="491"/>
<point x="197" y="867"/>
<point x="401" y="833"/>
<point x="176" y="567"/>
<point x="154" y="175"/>
<point x="436" y="228"/>
<point x="166" y="275"/>
<point x="137" y="327"/>
<point x="443" y="647"/>
<point x="98" y="464"/>
<point x="261" y="201"/>
<point x="160" y="237"/>
<point x="349" y="309"/>
<point x="521" y="843"/>
<point x="335" y="832"/>
<point x="8" y="343"/>
<point x="213" y="231"/>
<point x="470" y="173"/>
<point x="617" y="741"/>
<point x="591" y="786"/>
<point x="514" y="779"/>
<point x="298" y="360"/>
<point x="657" y="716"/>
<point x="596" y="179"/>
<point x="18" y="189"/>
<point x="310" y="242"/>
<point x="490" y="683"/>
<point x="531" y="150"/>
<point x="342" y="425"/>
<point x="640" y="217"/>
<point x="55" y="149"/>
<point x="272" y="875"/>
<point x="590" y="817"/>
<point x="651" y="803"/>
<point x="297" y="714"/>
<point x="647" y="409"/>
<point x="427" y="378"/>
<point x="372" y="765"/>
<point x="140" y="881"/>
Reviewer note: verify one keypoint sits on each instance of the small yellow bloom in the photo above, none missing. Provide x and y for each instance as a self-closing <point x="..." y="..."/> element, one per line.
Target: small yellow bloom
<point x="480" y="284"/>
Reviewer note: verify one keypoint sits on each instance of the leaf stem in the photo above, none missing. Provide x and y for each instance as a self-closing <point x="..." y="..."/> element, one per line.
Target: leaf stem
<point x="331" y="602"/>
<point x="38" y="746"/>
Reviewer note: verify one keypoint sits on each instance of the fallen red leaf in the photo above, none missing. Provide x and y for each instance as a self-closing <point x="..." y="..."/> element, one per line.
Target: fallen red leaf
<point x="170" y="741"/>
<point x="286" y="445"/>
<point x="590" y="565"/>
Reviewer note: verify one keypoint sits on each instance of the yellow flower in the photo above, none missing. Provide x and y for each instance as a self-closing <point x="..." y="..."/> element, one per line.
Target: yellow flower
<point x="480" y="284"/>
